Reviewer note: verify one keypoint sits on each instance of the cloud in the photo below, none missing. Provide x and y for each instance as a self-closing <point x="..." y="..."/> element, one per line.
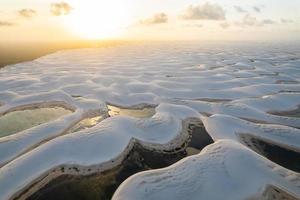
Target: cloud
<point x="268" y="21"/>
<point x="158" y="18"/>
<point x="193" y="25"/>
<point x="286" y="21"/>
<point x="256" y="9"/>
<point x="6" y="23"/>
<point x="224" y="25"/>
<point x="250" y="20"/>
<point x="239" y="9"/>
<point x="205" y="11"/>
<point x="27" y="13"/>
<point x="61" y="8"/>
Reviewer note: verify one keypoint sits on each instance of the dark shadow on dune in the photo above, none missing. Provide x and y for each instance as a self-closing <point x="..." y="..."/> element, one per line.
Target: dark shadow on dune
<point x="286" y="82"/>
<point x="275" y="193"/>
<point x="214" y="100"/>
<point x="280" y="155"/>
<point x="292" y="113"/>
<point x="199" y="139"/>
<point x="102" y="185"/>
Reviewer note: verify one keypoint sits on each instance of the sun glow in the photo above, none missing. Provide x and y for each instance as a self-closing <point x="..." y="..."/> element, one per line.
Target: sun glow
<point x="96" y="19"/>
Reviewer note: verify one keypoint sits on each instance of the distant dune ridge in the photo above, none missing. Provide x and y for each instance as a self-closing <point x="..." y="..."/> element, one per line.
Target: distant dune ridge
<point x="12" y="52"/>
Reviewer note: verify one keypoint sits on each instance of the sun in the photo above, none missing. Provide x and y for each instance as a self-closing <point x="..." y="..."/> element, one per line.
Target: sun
<point x="96" y="19"/>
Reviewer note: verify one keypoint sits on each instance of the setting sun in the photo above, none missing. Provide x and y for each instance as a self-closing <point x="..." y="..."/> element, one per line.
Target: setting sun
<point x="99" y="19"/>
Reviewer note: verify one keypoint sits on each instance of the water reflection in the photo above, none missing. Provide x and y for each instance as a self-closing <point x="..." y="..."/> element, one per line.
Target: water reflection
<point x="86" y="123"/>
<point x="138" y="113"/>
<point x="113" y="111"/>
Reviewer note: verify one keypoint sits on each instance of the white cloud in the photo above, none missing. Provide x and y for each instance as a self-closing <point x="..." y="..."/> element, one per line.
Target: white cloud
<point x="205" y="11"/>
<point x="256" y="9"/>
<point x="249" y="20"/>
<point x="6" y="23"/>
<point x="61" y="8"/>
<point x="239" y="9"/>
<point x="286" y="21"/>
<point x="193" y="25"/>
<point x="158" y="18"/>
<point x="27" y="13"/>
<point x="268" y="21"/>
<point x="224" y="25"/>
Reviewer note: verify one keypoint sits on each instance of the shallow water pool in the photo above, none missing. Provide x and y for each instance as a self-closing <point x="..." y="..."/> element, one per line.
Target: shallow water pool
<point x="132" y="112"/>
<point x="86" y="123"/>
<point x="17" y="121"/>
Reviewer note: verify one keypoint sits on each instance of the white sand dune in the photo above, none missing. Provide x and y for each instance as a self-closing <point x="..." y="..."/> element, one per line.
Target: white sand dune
<point x="231" y="89"/>
<point x="224" y="170"/>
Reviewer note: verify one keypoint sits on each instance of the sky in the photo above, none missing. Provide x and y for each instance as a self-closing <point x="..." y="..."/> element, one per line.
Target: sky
<point x="52" y="20"/>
